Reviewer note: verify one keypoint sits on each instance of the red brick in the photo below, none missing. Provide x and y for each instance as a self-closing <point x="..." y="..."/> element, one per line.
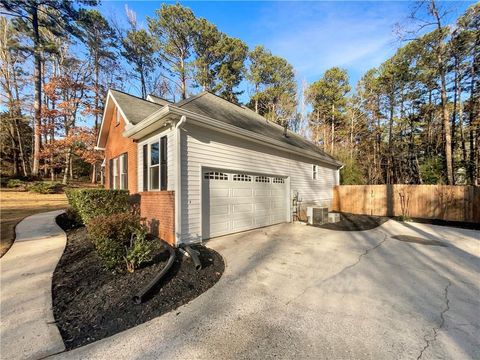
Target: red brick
<point x="116" y="145"/>
<point x="158" y="207"/>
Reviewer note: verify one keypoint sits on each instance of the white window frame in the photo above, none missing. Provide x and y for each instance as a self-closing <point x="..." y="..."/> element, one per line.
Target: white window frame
<point x="315" y="172"/>
<point x="123" y="185"/>
<point x="117" y="117"/>
<point x="115" y="173"/>
<point x="150" y="166"/>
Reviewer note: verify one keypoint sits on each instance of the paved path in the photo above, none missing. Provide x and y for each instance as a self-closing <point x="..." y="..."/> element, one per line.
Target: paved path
<point x="27" y="329"/>
<point x="297" y="292"/>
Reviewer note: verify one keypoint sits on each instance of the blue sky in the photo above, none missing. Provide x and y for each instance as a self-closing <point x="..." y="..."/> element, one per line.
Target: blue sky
<point x="312" y="36"/>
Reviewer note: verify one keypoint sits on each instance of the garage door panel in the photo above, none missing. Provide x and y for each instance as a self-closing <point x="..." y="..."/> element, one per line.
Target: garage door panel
<point x="217" y="219"/>
<point x="262" y="192"/>
<point x="215" y="193"/>
<point x="262" y="207"/>
<point x="239" y="208"/>
<point x="219" y="228"/>
<point x="242" y="192"/>
<point x="277" y="204"/>
<point x="246" y="222"/>
<point x="232" y="206"/>
<point x="219" y="210"/>
<point x="262" y="220"/>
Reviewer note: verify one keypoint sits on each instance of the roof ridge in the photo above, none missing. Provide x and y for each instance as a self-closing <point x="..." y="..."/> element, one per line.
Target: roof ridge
<point x="134" y="96"/>
<point x="191" y="98"/>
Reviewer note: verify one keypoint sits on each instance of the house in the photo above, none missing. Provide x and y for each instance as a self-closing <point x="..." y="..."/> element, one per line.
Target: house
<point x="205" y="167"/>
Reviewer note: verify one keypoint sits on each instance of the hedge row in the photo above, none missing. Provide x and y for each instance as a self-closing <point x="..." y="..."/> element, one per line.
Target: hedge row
<point x="117" y="232"/>
<point x="91" y="203"/>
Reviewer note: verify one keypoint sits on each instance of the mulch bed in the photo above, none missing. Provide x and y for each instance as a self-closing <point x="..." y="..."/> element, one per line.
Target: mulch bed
<point x="355" y="222"/>
<point x="90" y="303"/>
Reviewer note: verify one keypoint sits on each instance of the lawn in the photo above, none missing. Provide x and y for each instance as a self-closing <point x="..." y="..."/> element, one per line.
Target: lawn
<point x="16" y="205"/>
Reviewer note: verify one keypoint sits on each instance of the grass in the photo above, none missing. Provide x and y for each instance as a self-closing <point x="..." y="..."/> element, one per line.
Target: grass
<point x="17" y="205"/>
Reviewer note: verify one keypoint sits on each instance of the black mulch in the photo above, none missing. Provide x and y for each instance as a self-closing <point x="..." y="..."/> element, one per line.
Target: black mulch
<point x="90" y="303"/>
<point x="355" y="222"/>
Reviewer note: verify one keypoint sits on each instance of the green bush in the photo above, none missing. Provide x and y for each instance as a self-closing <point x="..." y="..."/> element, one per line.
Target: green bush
<point x="120" y="239"/>
<point x="45" y="187"/>
<point x="91" y="203"/>
<point x="141" y="250"/>
<point x="15" y="183"/>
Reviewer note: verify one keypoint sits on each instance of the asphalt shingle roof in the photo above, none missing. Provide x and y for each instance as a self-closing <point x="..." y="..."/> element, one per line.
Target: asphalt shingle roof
<point x="220" y="109"/>
<point x="210" y="105"/>
<point x="135" y="109"/>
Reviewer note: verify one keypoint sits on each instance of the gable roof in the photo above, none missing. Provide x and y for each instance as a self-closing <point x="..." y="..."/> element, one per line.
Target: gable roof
<point x="134" y="108"/>
<point x="217" y="108"/>
<point x="210" y="106"/>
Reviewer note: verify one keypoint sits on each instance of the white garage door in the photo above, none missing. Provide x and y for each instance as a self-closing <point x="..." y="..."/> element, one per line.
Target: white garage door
<point x="235" y="202"/>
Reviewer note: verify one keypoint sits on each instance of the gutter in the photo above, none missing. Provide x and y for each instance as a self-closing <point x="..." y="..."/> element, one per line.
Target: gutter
<point x="178" y="180"/>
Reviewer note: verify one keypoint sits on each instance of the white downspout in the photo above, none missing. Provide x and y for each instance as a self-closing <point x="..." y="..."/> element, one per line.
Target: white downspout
<point x="178" y="180"/>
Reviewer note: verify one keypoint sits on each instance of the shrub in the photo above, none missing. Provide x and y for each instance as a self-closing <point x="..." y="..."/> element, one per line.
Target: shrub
<point x="45" y="187"/>
<point x="141" y="250"/>
<point x="15" y="183"/>
<point x="119" y="239"/>
<point x="91" y="203"/>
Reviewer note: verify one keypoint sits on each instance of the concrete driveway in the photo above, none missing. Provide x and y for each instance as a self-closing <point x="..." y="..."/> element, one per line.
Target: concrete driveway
<point x="292" y="291"/>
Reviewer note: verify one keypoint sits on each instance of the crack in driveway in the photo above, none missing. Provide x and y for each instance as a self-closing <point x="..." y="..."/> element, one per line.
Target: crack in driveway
<point x="442" y="322"/>
<point x="346" y="268"/>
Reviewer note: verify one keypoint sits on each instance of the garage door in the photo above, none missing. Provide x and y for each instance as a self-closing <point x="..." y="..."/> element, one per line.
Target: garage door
<point x="238" y="201"/>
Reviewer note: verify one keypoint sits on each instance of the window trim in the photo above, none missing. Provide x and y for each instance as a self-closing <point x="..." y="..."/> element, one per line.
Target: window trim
<point x="117" y="117"/>
<point x="115" y="173"/>
<point x="118" y="169"/>
<point x="162" y="165"/>
<point x="150" y="166"/>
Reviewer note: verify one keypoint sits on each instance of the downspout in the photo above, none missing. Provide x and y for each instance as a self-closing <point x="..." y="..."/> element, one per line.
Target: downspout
<point x="178" y="182"/>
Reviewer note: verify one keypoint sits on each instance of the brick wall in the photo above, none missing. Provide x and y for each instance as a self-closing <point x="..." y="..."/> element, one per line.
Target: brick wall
<point x="159" y="209"/>
<point x="116" y="145"/>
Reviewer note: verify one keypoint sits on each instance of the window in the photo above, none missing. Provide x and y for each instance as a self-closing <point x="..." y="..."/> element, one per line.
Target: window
<point x="262" y="179"/>
<point x="115" y="173"/>
<point x="119" y="172"/>
<point x="214" y="175"/>
<point x="314" y="172"/>
<point x="242" y="177"/>
<point x="145" y="167"/>
<point x="117" y="117"/>
<point x="163" y="163"/>
<point x="124" y="171"/>
<point x="154" y="166"/>
<point x="278" y="180"/>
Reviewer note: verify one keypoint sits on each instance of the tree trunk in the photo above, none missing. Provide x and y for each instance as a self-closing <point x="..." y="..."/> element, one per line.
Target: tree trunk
<point x="183" y="79"/>
<point x="332" y="149"/>
<point x="67" y="168"/>
<point x="37" y="91"/>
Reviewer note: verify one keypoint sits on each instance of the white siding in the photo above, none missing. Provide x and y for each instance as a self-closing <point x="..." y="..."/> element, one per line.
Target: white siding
<point x="170" y="157"/>
<point x="204" y="148"/>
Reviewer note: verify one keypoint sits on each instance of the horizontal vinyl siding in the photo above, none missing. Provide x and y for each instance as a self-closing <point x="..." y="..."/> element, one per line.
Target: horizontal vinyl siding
<point x="204" y="148"/>
<point x="170" y="158"/>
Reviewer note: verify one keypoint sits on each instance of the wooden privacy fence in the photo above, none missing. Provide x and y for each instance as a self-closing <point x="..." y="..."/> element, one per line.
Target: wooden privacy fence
<point x="444" y="202"/>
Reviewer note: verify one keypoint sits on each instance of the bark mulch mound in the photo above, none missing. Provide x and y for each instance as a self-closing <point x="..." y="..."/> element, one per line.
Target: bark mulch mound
<point x="90" y="303"/>
<point x="355" y="222"/>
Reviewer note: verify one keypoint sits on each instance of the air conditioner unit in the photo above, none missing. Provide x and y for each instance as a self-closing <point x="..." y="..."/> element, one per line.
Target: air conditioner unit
<point x="317" y="215"/>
